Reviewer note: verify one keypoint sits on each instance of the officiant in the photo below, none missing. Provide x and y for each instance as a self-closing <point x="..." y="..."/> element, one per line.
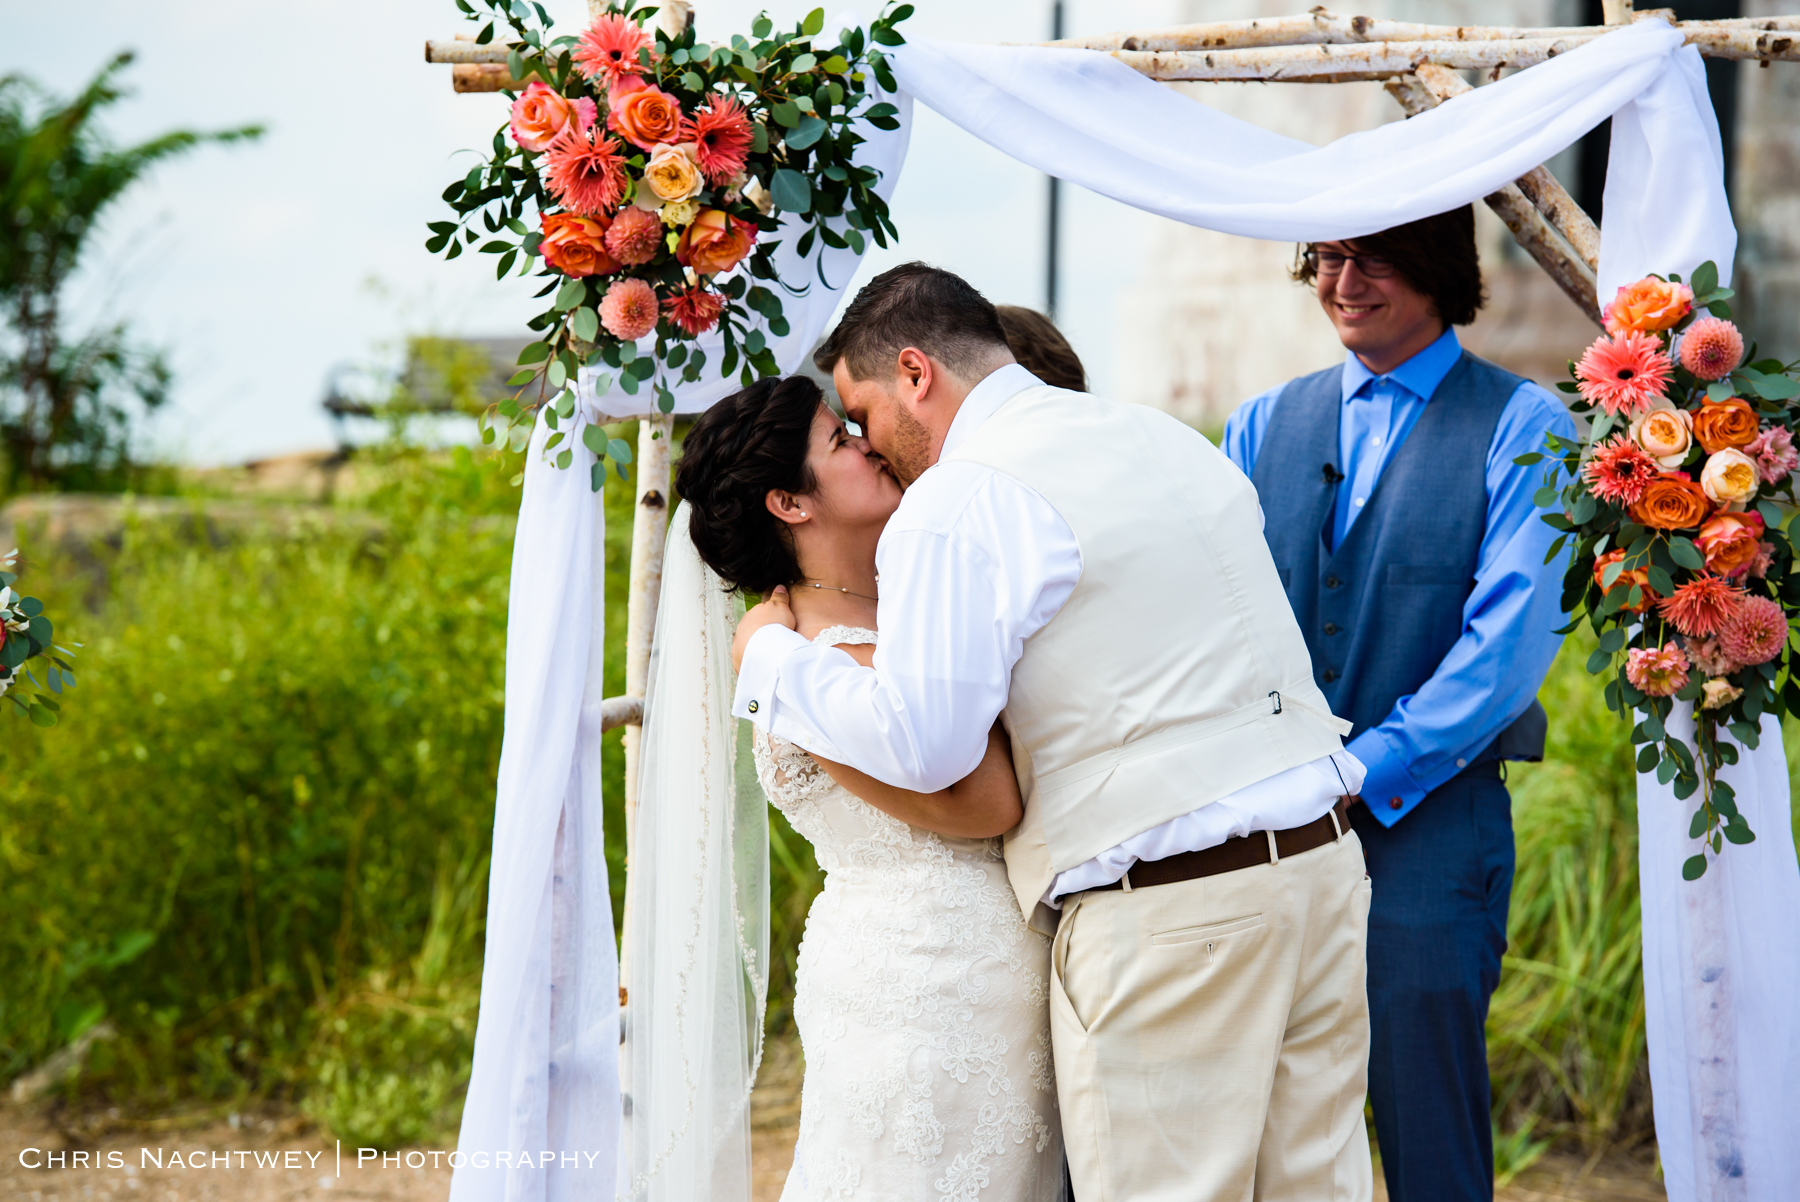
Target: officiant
<point x="1413" y="556"/>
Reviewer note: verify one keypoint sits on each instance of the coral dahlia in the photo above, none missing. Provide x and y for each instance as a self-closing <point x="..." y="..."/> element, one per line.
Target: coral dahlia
<point x="1702" y="606"/>
<point x="722" y="137"/>
<point x="1774" y="453"/>
<point x="586" y="175"/>
<point x="635" y="236"/>
<point x="1657" y="671"/>
<point x="1756" y="631"/>
<point x="1623" y="374"/>
<point x="1711" y="347"/>
<point x="629" y="309"/>
<point x="609" y="48"/>
<point x="1619" y="471"/>
<point x="695" y="310"/>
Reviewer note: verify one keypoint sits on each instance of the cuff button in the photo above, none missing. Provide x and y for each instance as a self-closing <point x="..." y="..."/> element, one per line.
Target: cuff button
<point x="1394" y="803"/>
<point x="752" y="708"/>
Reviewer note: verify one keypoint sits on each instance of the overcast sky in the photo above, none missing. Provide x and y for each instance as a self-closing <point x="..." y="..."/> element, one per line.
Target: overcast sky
<point x="260" y="267"/>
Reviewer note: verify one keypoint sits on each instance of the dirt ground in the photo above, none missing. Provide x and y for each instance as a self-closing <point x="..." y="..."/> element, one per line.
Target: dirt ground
<point x="274" y="1159"/>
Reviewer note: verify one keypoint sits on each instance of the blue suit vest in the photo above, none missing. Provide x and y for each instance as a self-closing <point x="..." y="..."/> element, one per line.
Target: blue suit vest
<point x="1381" y="611"/>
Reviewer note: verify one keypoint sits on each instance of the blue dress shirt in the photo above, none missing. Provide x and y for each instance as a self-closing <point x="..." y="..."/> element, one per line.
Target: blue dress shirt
<point x="1494" y="669"/>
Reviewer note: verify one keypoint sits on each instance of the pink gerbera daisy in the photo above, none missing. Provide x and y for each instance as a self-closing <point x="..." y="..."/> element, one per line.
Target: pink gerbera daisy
<point x="1774" y="453"/>
<point x="1624" y="374"/>
<point x="722" y="138"/>
<point x="696" y="310"/>
<point x="1657" y="671"/>
<point x="634" y="236"/>
<point x="1711" y="347"/>
<point x="629" y="309"/>
<point x="609" y="48"/>
<point x="586" y="175"/>
<point x="1701" y="606"/>
<point x="1755" y="632"/>
<point x="1619" y="471"/>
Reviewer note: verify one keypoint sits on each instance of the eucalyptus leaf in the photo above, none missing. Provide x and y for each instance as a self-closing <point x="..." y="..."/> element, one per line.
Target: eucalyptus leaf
<point x="791" y="191"/>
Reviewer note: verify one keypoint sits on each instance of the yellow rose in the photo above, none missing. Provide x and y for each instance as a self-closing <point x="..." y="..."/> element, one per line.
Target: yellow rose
<point x="671" y="174"/>
<point x="677" y="216"/>
<point x="1664" y="432"/>
<point x="1729" y="477"/>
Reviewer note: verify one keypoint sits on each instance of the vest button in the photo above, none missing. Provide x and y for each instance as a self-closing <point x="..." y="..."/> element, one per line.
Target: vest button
<point x="1394" y="803"/>
<point x="1331" y="628"/>
<point x="1330" y="675"/>
<point x="1332" y="582"/>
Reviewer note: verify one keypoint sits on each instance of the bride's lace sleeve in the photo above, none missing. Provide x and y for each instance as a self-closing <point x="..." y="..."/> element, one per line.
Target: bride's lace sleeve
<point x="788" y="775"/>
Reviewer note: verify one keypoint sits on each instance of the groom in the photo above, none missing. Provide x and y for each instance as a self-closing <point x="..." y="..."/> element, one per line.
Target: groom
<point x="1097" y="572"/>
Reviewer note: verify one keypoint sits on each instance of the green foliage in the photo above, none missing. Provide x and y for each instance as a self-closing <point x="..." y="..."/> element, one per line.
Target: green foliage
<point x="67" y="402"/>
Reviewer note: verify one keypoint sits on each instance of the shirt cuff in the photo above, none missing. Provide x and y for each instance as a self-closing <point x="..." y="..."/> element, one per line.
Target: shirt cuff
<point x="755" y="695"/>
<point x="1389" y="790"/>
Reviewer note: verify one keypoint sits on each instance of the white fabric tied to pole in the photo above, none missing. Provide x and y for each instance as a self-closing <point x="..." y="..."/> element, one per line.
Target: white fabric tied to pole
<point x="1086" y="117"/>
<point x="1722" y="986"/>
<point x="544" y="1091"/>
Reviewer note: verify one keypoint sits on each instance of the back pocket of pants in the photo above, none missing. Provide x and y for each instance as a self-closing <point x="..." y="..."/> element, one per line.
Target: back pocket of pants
<point x="1214" y="930"/>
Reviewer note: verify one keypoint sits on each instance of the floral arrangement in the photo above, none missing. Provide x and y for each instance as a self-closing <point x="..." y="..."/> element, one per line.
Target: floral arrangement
<point x="1682" y="565"/>
<point x="25" y="635"/>
<point x="653" y="168"/>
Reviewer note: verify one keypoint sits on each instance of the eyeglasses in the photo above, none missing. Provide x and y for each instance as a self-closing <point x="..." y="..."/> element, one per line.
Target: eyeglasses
<point x="1331" y="262"/>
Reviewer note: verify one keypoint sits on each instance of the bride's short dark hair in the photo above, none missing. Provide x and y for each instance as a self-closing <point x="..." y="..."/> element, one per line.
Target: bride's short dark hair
<point x="745" y="445"/>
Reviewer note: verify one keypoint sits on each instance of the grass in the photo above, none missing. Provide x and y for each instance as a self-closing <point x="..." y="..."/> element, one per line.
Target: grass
<point x="256" y="846"/>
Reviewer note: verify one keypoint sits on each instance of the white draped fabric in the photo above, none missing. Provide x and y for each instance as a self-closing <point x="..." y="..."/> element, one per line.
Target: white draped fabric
<point x="1722" y="987"/>
<point x="1087" y="118"/>
<point x="541" y="1123"/>
<point x="1090" y="119"/>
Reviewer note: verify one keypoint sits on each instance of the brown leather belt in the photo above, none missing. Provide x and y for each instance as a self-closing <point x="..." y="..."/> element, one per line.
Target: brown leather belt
<point x="1238" y="852"/>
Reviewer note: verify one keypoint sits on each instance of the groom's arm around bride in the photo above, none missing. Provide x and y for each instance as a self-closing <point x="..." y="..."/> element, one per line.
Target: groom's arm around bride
<point x="1094" y="571"/>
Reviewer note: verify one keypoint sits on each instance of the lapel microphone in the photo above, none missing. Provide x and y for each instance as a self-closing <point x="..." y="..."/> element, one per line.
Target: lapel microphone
<point x="1332" y="475"/>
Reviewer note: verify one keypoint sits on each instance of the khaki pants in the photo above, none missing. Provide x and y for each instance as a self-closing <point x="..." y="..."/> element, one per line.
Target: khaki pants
<point x="1212" y="1036"/>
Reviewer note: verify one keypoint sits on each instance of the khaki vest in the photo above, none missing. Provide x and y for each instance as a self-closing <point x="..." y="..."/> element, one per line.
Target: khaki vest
<point x="1175" y="673"/>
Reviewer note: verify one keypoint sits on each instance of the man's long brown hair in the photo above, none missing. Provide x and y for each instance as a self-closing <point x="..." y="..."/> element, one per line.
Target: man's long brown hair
<point x="1436" y="255"/>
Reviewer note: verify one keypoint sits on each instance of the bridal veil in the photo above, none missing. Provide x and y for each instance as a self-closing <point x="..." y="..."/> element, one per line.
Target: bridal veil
<point x="697" y="907"/>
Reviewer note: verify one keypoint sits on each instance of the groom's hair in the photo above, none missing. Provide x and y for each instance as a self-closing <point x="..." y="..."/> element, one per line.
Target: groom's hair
<point x="739" y="449"/>
<point x="918" y="305"/>
<point x="1435" y="254"/>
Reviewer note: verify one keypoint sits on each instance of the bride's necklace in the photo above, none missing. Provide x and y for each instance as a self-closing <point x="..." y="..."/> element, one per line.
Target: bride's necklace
<point x="835" y="589"/>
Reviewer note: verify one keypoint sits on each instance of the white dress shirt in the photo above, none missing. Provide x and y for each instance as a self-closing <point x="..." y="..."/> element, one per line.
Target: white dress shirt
<point x="972" y="564"/>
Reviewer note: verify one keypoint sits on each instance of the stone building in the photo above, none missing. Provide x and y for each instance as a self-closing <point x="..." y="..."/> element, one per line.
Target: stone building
<point x="1216" y="319"/>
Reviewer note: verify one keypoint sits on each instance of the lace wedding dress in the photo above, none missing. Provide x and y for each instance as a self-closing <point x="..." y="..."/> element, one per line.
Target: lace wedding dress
<point x="921" y="1005"/>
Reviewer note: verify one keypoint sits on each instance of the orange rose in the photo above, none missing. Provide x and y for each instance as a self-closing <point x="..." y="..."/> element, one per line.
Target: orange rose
<point x="540" y="113"/>
<point x="715" y="242"/>
<point x="1730" y="542"/>
<point x="1721" y="424"/>
<point x="1671" y="502"/>
<point x="648" y="116"/>
<point x="1649" y="306"/>
<point x="576" y="245"/>
<point x="1624" y="580"/>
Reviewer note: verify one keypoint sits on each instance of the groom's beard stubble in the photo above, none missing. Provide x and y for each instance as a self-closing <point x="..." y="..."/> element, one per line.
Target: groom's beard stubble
<point x="911" y="452"/>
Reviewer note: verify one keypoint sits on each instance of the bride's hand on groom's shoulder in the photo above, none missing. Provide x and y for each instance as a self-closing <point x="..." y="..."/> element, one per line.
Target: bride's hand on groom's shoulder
<point x="774" y="611"/>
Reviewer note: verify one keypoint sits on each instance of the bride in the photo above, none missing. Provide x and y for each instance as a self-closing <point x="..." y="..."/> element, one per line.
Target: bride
<point x="920" y="996"/>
